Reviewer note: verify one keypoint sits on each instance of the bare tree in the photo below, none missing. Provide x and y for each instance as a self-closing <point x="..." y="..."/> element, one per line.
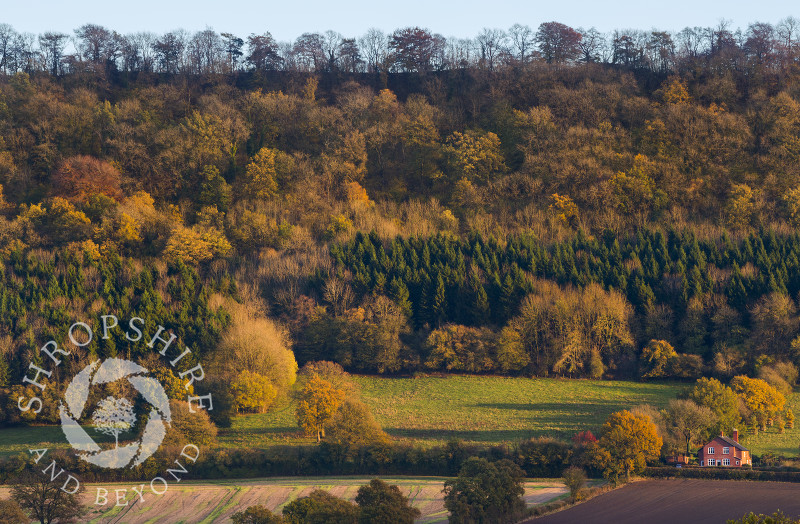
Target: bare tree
<point x="309" y="51"/>
<point x="591" y="45"/>
<point x="263" y="52"/>
<point x="44" y="500"/>
<point x="350" y="56"/>
<point x="331" y="44"/>
<point x="339" y="295"/>
<point x="52" y="46"/>
<point x="169" y="51"/>
<point x="7" y="35"/>
<point x="373" y="48"/>
<point x="522" y="41"/>
<point x="491" y="43"/>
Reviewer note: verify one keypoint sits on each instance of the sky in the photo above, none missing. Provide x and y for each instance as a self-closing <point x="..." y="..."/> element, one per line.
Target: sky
<point x="289" y="18"/>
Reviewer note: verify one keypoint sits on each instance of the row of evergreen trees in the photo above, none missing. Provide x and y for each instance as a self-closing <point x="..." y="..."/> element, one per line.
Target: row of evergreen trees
<point x="720" y="298"/>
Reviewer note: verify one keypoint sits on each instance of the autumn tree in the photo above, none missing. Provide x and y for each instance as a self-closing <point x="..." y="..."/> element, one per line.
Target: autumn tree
<point x="475" y="156"/>
<point x="354" y="426"/>
<point x="574" y="478"/>
<point x="11" y="513"/>
<point x="557" y="42"/>
<point x="252" y="392"/>
<point x="257" y="344"/>
<point x="628" y="443"/>
<point x="260" y="180"/>
<point x="78" y="177"/>
<point x="414" y="48"/>
<point x="763" y="400"/>
<point x="656" y="358"/>
<point x="317" y="404"/>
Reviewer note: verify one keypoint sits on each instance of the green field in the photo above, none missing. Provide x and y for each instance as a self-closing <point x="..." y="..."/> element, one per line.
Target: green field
<point x="432" y="410"/>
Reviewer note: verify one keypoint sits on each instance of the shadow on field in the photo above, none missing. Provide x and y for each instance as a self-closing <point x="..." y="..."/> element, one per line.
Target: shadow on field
<point x="584" y="408"/>
<point x="449" y="434"/>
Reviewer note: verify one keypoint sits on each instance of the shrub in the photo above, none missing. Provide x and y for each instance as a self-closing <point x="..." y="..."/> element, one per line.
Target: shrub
<point x="574" y="479"/>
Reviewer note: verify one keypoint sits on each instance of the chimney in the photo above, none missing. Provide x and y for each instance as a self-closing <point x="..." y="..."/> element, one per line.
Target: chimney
<point x="735" y="435"/>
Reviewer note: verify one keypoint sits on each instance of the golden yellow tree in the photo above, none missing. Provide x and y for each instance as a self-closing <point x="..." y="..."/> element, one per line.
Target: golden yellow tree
<point x="762" y="399"/>
<point x="628" y="443"/>
<point x="252" y="392"/>
<point x="261" y="175"/>
<point x="319" y="401"/>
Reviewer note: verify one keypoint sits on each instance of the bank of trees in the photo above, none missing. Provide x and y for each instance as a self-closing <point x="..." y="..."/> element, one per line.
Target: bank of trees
<point x="97" y="49"/>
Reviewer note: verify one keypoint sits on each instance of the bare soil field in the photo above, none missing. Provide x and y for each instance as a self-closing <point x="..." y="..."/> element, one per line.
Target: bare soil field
<point x="693" y="501"/>
<point x="206" y="502"/>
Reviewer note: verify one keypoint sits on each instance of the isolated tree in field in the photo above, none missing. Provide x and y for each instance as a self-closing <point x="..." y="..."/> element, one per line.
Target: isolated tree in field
<point x="353" y="425"/>
<point x="317" y="404"/>
<point x="256" y="515"/>
<point x="44" y="500"/>
<point x="381" y="503"/>
<point x="485" y="492"/>
<point x="11" y="513"/>
<point x="114" y="416"/>
<point x="629" y="441"/>
<point x="687" y="422"/>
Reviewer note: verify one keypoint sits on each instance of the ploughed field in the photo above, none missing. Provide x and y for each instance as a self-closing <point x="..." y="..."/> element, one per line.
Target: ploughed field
<point x="217" y="501"/>
<point x="669" y="501"/>
<point x="431" y="410"/>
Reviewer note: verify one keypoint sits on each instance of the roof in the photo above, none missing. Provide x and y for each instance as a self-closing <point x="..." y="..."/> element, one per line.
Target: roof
<point x="732" y="442"/>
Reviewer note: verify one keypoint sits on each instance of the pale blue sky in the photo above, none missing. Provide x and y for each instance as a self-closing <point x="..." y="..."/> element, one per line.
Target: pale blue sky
<point x="288" y="19"/>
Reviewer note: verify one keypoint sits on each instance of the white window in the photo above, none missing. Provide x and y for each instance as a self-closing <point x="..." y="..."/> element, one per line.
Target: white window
<point x="725" y="451"/>
<point x="710" y="451"/>
<point x="726" y="462"/>
<point x="737" y="462"/>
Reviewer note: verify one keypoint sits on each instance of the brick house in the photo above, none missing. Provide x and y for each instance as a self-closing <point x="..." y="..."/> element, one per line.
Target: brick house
<point x="725" y="451"/>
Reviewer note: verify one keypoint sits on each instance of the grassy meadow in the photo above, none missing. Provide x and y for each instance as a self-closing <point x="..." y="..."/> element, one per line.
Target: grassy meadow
<point x="431" y="410"/>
